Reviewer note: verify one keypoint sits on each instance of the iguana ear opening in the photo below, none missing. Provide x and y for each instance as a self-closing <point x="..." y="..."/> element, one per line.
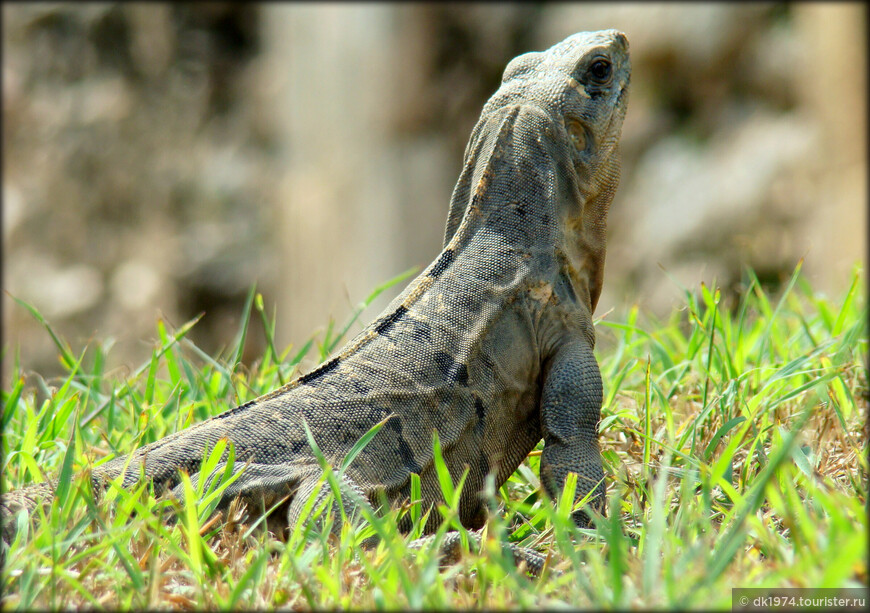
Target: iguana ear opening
<point x="577" y="134"/>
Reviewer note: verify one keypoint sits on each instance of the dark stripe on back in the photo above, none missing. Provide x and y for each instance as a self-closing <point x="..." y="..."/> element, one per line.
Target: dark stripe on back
<point x="444" y="260"/>
<point x="388" y="321"/>
<point x="451" y="369"/>
<point x="331" y="365"/>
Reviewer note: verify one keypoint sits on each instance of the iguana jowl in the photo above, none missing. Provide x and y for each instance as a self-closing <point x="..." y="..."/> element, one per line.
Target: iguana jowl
<point x="491" y="345"/>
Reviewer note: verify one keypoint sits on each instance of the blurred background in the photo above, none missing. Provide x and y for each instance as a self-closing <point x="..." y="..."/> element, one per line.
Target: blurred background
<point x="160" y="159"/>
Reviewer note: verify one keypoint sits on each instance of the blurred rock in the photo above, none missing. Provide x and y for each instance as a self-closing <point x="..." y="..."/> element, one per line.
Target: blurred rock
<point x="135" y="284"/>
<point x="694" y="201"/>
<point x="58" y="291"/>
<point x="14" y="208"/>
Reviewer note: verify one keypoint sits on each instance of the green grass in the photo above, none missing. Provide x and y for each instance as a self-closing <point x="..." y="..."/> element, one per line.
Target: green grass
<point x="732" y="439"/>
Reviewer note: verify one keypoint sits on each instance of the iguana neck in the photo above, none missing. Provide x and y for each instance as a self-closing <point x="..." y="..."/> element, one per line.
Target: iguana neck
<point x="518" y="181"/>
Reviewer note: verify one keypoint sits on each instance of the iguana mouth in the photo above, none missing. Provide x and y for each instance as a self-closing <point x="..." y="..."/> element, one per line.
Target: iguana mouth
<point x="618" y="105"/>
<point x="614" y="123"/>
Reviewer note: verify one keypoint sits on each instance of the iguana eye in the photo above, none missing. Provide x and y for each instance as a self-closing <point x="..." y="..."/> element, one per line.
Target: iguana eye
<point x="577" y="135"/>
<point x="600" y="70"/>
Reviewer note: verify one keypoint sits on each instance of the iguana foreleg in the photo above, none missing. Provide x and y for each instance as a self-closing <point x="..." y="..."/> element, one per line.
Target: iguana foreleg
<point x="570" y="410"/>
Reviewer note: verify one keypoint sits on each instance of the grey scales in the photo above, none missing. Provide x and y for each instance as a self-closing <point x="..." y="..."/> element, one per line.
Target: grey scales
<point x="491" y="346"/>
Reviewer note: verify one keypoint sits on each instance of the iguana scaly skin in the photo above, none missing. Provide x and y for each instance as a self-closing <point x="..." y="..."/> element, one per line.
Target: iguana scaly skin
<point x="491" y="346"/>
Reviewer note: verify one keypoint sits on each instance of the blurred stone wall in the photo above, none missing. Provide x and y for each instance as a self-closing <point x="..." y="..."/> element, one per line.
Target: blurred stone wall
<point x="138" y="177"/>
<point x="158" y="159"/>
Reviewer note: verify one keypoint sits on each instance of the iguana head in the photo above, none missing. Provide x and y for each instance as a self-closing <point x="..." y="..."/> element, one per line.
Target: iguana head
<point x="548" y="138"/>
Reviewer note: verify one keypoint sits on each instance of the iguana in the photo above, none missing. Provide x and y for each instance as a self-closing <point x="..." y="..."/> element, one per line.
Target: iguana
<point x="491" y="346"/>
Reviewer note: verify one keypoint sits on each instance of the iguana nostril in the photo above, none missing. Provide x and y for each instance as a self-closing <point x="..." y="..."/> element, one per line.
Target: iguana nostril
<point x="622" y="40"/>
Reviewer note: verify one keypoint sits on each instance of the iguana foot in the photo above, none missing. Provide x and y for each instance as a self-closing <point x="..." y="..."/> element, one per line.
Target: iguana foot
<point x="451" y="551"/>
